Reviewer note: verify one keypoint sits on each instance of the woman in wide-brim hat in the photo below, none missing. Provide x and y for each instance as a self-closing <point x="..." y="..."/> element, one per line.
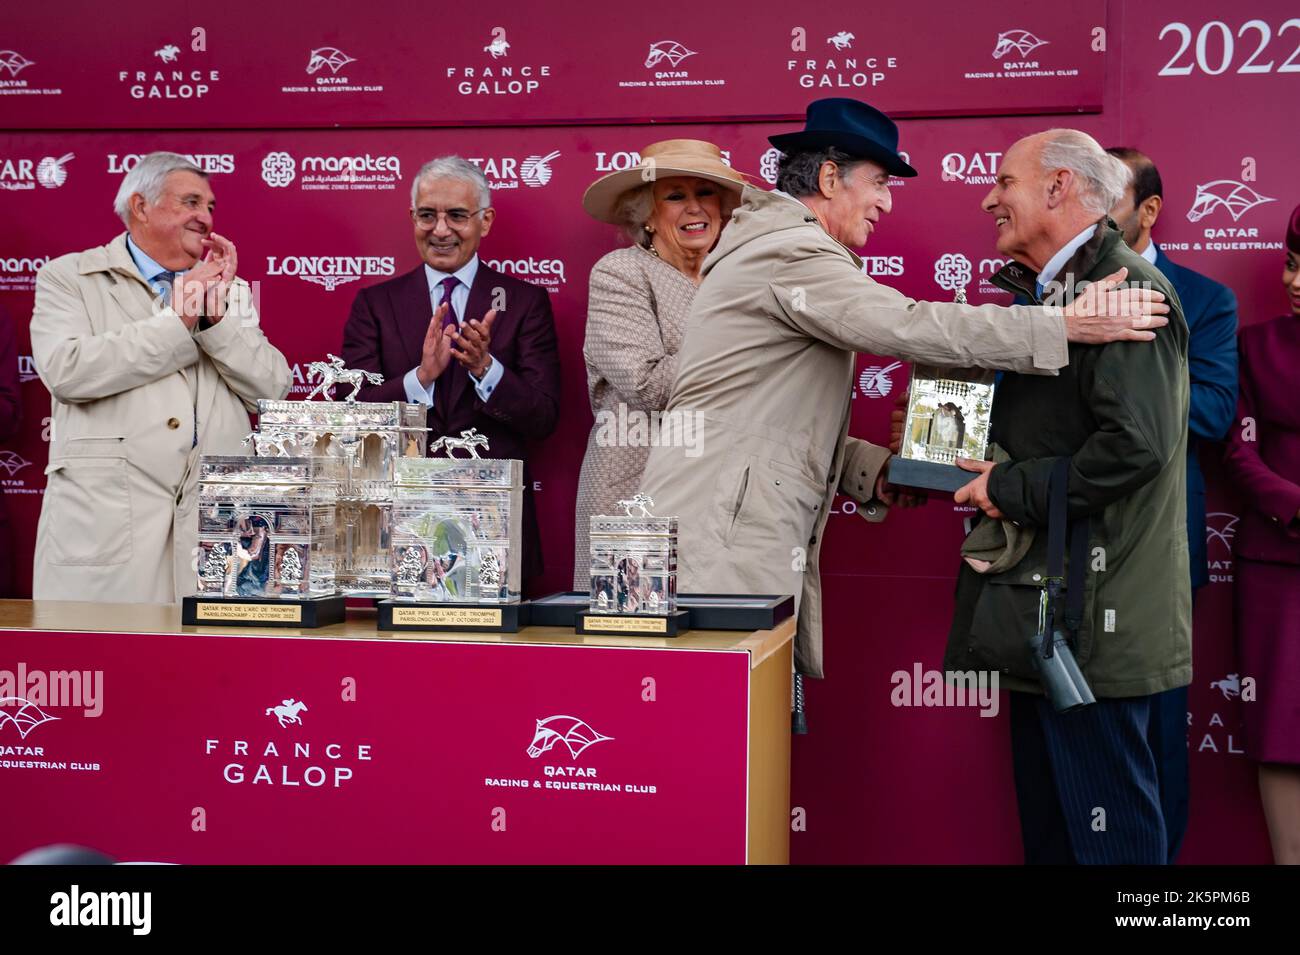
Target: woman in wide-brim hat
<point x="672" y="205"/>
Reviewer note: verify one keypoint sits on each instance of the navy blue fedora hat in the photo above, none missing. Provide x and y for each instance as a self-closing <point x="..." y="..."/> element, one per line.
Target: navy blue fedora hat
<point x="851" y="125"/>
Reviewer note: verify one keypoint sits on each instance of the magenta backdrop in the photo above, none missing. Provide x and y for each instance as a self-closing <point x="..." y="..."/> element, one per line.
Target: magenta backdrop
<point x="1196" y="84"/>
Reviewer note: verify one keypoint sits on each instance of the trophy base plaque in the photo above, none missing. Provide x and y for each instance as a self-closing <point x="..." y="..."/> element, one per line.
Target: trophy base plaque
<point x="413" y="615"/>
<point x="306" y="614"/>
<point x="906" y="472"/>
<point x="707" y="611"/>
<point x="632" y="624"/>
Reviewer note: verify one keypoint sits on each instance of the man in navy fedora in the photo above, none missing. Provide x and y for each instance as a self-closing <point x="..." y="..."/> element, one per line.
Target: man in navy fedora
<point x="768" y="360"/>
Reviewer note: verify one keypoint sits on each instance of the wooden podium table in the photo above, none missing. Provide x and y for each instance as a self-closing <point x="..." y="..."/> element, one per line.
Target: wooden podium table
<point x="124" y="731"/>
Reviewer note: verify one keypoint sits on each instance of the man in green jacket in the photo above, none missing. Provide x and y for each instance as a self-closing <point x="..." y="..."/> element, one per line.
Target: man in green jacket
<point x="1086" y="780"/>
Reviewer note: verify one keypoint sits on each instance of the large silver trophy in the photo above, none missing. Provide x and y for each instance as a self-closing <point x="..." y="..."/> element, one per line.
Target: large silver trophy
<point x="456" y="540"/>
<point x="359" y="444"/>
<point x="948" y="410"/>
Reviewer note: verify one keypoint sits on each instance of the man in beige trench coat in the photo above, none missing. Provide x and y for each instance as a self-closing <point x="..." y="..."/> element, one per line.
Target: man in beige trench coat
<point x="152" y="353"/>
<point x="768" y="358"/>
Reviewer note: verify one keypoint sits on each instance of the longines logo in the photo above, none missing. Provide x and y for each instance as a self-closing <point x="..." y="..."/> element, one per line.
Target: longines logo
<point x="19" y="275"/>
<point x="359" y="173"/>
<point x="664" y="58"/>
<point x="171" y="79"/>
<point x="498" y="74"/>
<point x="18" y="175"/>
<point x="331" y="271"/>
<point x="507" y="172"/>
<point x="882" y="265"/>
<point x="626" y="159"/>
<point x="323" y="66"/>
<point x="27" y="365"/>
<point x="548" y="273"/>
<point x="11" y="64"/>
<point x="1014" y="49"/>
<point x="303" y="764"/>
<point x="210" y="163"/>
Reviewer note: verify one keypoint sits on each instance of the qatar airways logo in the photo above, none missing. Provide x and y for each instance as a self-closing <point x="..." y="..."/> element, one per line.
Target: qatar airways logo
<point x="976" y="169"/>
<point x="507" y="172"/>
<point x="331" y="271"/>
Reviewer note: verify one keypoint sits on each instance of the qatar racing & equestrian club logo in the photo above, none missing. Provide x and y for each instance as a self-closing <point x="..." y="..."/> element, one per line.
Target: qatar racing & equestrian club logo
<point x="330" y="56"/>
<point x="1022" y="41"/>
<point x="1236" y="198"/>
<point x="575" y="734"/>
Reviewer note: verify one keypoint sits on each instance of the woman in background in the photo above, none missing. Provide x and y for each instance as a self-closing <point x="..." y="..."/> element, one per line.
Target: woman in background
<point x="1263" y="462"/>
<point x="672" y="205"/>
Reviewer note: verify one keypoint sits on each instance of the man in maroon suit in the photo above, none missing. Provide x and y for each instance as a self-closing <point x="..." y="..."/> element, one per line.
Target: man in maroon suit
<point x="487" y="358"/>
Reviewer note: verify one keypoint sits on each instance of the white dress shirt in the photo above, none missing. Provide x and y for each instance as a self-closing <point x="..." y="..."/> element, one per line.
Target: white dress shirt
<point x="1062" y="256"/>
<point x="415" y="391"/>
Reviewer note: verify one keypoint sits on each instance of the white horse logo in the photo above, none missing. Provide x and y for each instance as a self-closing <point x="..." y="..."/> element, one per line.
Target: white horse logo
<point x="842" y="40"/>
<point x="168" y="53"/>
<point x="287" y="712"/>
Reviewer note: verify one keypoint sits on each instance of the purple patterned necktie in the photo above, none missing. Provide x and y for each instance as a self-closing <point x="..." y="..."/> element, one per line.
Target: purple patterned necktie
<point x="448" y="285"/>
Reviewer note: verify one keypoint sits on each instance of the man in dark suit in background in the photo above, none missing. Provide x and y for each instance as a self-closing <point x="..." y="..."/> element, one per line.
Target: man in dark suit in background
<point x="1211" y="313"/>
<point x="487" y="358"/>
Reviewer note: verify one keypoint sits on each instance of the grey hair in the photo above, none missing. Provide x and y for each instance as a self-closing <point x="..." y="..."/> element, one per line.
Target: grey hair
<point x="147" y="177"/>
<point x="454" y="167"/>
<point x="1102" y="177"/>
<point x="635" y="207"/>
<point x="797" y="174"/>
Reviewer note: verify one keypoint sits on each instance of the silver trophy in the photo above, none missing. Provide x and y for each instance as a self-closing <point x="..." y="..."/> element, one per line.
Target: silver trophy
<point x="948" y="410"/>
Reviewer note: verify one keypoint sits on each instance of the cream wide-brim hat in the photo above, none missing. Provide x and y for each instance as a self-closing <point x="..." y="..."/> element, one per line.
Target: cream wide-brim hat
<point x="662" y="160"/>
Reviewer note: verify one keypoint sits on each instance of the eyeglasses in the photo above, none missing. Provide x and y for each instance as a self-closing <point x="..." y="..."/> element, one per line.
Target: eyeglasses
<point x="427" y="219"/>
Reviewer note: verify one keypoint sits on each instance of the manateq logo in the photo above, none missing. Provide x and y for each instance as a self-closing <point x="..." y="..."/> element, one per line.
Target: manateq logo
<point x="362" y="172"/>
<point x="575" y="734"/>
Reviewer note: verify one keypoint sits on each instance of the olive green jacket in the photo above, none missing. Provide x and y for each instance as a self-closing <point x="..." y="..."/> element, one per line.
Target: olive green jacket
<point x="1119" y="412"/>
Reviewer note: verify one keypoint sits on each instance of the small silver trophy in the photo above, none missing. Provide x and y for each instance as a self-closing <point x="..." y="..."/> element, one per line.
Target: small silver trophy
<point x="948" y="409"/>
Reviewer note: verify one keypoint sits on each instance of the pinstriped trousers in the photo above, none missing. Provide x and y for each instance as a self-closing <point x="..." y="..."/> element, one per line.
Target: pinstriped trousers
<point x="1086" y="782"/>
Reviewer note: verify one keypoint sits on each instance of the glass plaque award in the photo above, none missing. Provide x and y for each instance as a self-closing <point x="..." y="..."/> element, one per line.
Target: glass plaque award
<point x="633" y="573"/>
